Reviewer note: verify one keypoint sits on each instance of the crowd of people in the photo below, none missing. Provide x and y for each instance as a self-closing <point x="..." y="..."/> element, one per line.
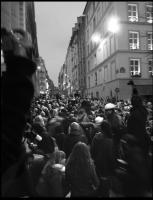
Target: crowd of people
<point x="71" y="147"/>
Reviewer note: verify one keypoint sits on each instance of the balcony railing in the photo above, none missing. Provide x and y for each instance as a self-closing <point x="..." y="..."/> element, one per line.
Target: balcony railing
<point x="136" y="74"/>
<point x="151" y="73"/>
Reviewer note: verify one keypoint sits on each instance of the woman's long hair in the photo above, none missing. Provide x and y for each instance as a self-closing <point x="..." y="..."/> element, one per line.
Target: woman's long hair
<point x="79" y="161"/>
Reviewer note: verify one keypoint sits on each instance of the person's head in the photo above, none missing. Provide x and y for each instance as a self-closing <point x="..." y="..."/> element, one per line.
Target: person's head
<point x="106" y="129"/>
<point x="38" y="128"/>
<point x="47" y="145"/>
<point x="39" y="119"/>
<point x="54" y="125"/>
<point x="86" y="105"/>
<point x="136" y="101"/>
<point x="75" y="129"/>
<point x="149" y="105"/>
<point x="81" y="113"/>
<point x="97" y="122"/>
<point x="60" y="157"/>
<point x="80" y="158"/>
<point x="109" y="108"/>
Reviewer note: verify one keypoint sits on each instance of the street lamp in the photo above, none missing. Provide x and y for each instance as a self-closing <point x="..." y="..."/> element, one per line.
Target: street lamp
<point x="113" y="25"/>
<point x="96" y="38"/>
<point x="39" y="68"/>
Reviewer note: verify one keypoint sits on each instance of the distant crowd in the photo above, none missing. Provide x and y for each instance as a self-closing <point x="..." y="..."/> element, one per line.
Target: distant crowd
<point x="103" y="149"/>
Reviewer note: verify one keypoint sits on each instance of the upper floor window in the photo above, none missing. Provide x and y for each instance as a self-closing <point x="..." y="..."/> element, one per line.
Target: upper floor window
<point x="150" y="66"/>
<point x="88" y="81"/>
<point x="135" y="67"/>
<point x="88" y="65"/>
<point x="95" y="59"/>
<point x="88" y="49"/>
<point x="87" y="35"/>
<point x="97" y="95"/>
<point x="95" y="78"/>
<point x="134" y="40"/>
<point x="132" y="13"/>
<point x="94" y="23"/>
<point x="149" y="13"/>
<point x="150" y="41"/>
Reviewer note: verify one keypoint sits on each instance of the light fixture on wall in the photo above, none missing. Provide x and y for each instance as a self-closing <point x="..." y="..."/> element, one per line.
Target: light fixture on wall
<point x="113" y="24"/>
<point x="96" y="38"/>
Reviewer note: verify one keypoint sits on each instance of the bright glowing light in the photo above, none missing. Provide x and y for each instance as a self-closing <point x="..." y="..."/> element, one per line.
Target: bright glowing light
<point x="113" y="25"/>
<point x="101" y="44"/>
<point x="96" y="38"/>
<point x="38" y="67"/>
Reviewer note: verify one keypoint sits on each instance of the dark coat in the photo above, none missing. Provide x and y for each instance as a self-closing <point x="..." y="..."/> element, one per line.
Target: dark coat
<point x="60" y="138"/>
<point x="71" y="140"/>
<point x="102" y="151"/>
<point x="136" y="125"/>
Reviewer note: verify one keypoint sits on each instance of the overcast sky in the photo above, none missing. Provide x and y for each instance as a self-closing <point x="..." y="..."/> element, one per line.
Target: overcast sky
<point x="54" y="29"/>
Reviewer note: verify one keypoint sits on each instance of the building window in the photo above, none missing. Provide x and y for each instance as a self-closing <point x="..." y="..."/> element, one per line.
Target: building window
<point x="88" y="65"/>
<point x="150" y="66"/>
<point x="88" y="49"/>
<point x="150" y="41"/>
<point x="94" y="23"/>
<point x="87" y="34"/>
<point x="132" y="13"/>
<point x="95" y="59"/>
<point x="112" y="44"/>
<point x="134" y="40"/>
<point x="97" y="95"/>
<point x="135" y="67"/>
<point x="95" y="78"/>
<point x="122" y="70"/>
<point x="89" y="81"/>
<point x="149" y="13"/>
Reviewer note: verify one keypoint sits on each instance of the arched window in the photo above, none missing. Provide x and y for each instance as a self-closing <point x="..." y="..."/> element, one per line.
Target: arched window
<point x="122" y="70"/>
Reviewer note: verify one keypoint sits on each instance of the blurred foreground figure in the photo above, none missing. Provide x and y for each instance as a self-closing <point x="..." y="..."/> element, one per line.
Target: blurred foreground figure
<point x="136" y="123"/>
<point x="17" y="94"/>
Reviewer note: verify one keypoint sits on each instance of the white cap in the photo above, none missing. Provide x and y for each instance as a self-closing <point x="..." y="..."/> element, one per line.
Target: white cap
<point x="38" y="137"/>
<point x="109" y="106"/>
<point x="98" y="120"/>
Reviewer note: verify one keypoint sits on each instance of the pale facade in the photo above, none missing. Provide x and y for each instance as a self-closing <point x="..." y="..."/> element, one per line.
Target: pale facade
<point x="81" y="56"/>
<point x="13" y="15"/>
<point x="120" y="55"/>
